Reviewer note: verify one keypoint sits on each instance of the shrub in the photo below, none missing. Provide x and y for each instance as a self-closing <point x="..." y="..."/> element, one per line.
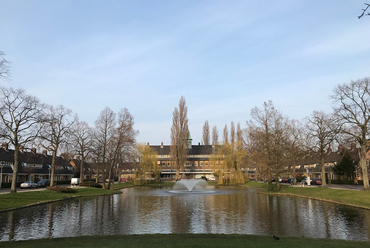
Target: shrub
<point x="342" y="181"/>
<point x="61" y="189"/>
<point x="91" y="184"/>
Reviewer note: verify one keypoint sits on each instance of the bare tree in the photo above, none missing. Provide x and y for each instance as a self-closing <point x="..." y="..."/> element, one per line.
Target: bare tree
<point x="205" y="139"/>
<point x="179" y="132"/>
<point x="20" y="115"/>
<point x="226" y="135"/>
<point x="352" y="106"/>
<point x="367" y="5"/>
<point x="123" y="143"/>
<point x="104" y="135"/>
<point x="55" y="132"/>
<point x="82" y="142"/>
<point x="4" y="67"/>
<point x="295" y="149"/>
<point x="214" y="135"/>
<point x="322" y="130"/>
<point x="258" y="140"/>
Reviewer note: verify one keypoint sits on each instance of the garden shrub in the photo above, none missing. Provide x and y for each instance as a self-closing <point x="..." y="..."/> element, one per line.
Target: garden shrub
<point x="92" y="184"/>
<point x="61" y="189"/>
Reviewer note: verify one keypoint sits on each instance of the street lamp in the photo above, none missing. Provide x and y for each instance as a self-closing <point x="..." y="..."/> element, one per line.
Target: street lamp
<point x="1" y="175"/>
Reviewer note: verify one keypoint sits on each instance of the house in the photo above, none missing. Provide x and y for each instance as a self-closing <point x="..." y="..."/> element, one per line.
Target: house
<point x="32" y="165"/>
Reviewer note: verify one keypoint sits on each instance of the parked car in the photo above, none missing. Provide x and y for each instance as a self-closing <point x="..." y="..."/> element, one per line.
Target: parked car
<point x="212" y="179"/>
<point x="43" y="183"/>
<point x="317" y="181"/>
<point x="75" y="181"/>
<point x="285" y="180"/>
<point x="123" y="180"/>
<point x="28" y="184"/>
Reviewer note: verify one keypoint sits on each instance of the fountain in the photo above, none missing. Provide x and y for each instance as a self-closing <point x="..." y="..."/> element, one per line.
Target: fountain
<point x="190" y="186"/>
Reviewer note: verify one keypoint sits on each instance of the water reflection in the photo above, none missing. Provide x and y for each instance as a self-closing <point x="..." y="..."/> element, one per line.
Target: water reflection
<point x="141" y="211"/>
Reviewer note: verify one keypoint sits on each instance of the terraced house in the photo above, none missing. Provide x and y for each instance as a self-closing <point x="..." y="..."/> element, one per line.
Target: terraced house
<point x="35" y="166"/>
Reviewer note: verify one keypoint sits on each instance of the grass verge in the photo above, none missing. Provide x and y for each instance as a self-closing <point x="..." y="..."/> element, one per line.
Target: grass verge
<point x="357" y="198"/>
<point x="22" y="199"/>
<point x="184" y="241"/>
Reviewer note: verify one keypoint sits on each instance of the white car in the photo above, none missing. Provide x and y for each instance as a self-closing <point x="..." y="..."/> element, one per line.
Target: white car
<point x="28" y="184"/>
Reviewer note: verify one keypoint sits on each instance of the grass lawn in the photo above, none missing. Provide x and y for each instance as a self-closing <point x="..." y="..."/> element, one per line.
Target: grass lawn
<point x="21" y="199"/>
<point x="359" y="198"/>
<point x="185" y="240"/>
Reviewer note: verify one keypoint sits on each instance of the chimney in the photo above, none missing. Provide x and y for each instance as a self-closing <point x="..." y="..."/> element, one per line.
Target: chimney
<point x="33" y="150"/>
<point x="198" y="143"/>
<point x="21" y="148"/>
<point x="161" y="144"/>
<point x="329" y="150"/>
<point x="147" y="144"/>
<point x="44" y="152"/>
<point x="5" y="146"/>
<point x="78" y="157"/>
<point x="340" y="147"/>
<point x="353" y="146"/>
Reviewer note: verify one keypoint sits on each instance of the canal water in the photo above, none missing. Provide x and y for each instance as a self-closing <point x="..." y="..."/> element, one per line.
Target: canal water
<point x="223" y="211"/>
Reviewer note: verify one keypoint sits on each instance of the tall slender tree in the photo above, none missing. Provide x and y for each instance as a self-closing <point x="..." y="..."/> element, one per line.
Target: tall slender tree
<point x="179" y="133"/>
<point x="214" y="135"/>
<point x="226" y="135"/>
<point x="205" y="138"/>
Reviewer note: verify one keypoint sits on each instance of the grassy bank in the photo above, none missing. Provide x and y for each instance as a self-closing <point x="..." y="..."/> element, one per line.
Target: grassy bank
<point x="22" y="199"/>
<point x="185" y="240"/>
<point x="360" y="198"/>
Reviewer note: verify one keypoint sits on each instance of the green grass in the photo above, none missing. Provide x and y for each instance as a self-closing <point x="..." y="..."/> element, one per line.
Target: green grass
<point x="360" y="198"/>
<point x="21" y="199"/>
<point x="184" y="241"/>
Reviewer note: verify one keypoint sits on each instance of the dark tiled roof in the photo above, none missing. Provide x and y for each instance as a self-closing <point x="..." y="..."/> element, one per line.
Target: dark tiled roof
<point x="33" y="158"/>
<point x="195" y="150"/>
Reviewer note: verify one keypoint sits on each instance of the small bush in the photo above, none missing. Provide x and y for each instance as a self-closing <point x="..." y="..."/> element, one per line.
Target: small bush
<point x="343" y="181"/>
<point x="92" y="184"/>
<point x="61" y="189"/>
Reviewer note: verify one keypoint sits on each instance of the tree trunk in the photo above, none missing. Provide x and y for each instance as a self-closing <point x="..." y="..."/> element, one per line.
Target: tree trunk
<point x="13" y="188"/>
<point x="323" y="171"/>
<point x="53" y="168"/>
<point x="294" y="173"/>
<point x="82" y="169"/>
<point x="365" y="176"/>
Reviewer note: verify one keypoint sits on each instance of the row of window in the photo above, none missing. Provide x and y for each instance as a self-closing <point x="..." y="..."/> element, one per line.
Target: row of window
<point x="192" y="163"/>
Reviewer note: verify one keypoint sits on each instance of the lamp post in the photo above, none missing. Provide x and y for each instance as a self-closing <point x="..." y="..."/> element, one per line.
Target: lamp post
<point x="49" y="173"/>
<point x="1" y="175"/>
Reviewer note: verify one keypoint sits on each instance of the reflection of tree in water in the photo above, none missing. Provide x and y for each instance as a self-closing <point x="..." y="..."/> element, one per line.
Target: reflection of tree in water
<point x="351" y="215"/>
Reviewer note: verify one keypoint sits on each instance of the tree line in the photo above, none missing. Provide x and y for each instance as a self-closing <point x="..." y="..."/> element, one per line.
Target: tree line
<point x="25" y="121"/>
<point x="272" y="140"/>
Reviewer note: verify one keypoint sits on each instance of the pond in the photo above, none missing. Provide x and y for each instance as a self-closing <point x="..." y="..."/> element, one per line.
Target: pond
<point x="227" y="210"/>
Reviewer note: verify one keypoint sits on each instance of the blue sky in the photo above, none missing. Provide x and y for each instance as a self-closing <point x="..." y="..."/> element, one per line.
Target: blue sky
<point x="224" y="57"/>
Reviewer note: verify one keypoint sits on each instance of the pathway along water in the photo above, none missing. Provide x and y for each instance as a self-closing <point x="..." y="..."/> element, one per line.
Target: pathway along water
<point x="227" y="210"/>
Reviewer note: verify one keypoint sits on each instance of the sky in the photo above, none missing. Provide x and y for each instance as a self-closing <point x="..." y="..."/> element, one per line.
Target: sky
<point x="224" y="57"/>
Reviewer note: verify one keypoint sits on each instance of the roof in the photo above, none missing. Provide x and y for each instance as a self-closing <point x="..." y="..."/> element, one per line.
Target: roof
<point x="195" y="150"/>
